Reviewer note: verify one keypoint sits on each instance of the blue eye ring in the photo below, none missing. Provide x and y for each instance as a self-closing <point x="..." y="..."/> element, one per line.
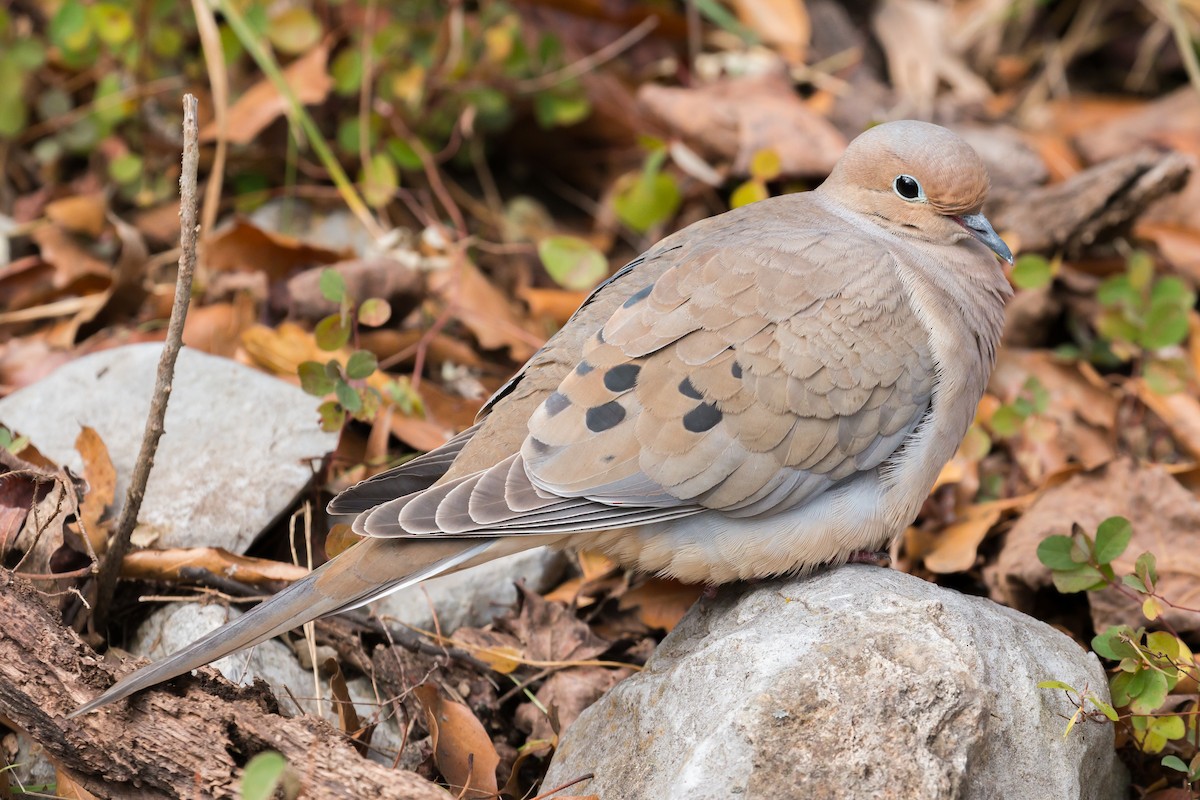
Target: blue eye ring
<point x="908" y="189"/>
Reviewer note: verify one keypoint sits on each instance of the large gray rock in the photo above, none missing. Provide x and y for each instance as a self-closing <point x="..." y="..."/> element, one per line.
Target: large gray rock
<point x="236" y="452"/>
<point x="857" y="682"/>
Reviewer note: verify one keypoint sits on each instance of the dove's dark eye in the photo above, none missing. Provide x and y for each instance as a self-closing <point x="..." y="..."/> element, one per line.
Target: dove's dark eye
<point x="907" y="187"/>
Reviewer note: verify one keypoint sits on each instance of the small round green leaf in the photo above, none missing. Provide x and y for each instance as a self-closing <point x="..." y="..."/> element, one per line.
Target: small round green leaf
<point x="263" y="775"/>
<point x="313" y="378"/>
<point x="348" y="396"/>
<point x="645" y="201"/>
<point x="379" y="180"/>
<point x="1055" y="552"/>
<point x="374" y="311"/>
<point x="749" y="192"/>
<point x="332" y="285"/>
<point x="295" y="30"/>
<point x="1081" y="579"/>
<point x="572" y="262"/>
<point x="1112" y="537"/>
<point x="361" y="364"/>
<point x="1032" y="272"/>
<point x="333" y="416"/>
<point x="331" y="333"/>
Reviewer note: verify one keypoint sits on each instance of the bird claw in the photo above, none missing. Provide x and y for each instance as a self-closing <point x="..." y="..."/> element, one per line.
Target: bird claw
<point x="877" y="558"/>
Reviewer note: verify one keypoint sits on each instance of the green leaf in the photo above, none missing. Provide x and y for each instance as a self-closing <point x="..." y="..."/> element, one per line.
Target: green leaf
<point x="572" y="262"/>
<point x="1165" y="326"/>
<point x="1006" y="421"/>
<point x="1032" y="272"/>
<point x="1146" y="569"/>
<point x="1135" y="583"/>
<point x="333" y="416"/>
<point x="1175" y="763"/>
<point x="361" y="364"/>
<point x="379" y="180"/>
<point x="125" y="168"/>
<point x="1167" y="376"/>
<point x="374" y="311"/>
<point x="1112" y="537"/>
<point x="348" y="396"/>
<point x="263" y="775"/>
<point x="332" y="285"/>
<point x="1118" y="687"/>
<point x="1140" y="269"/>
<point x="1112" y="643"/>
<point x="1055" y="553"/>
<point x="1116" y="292"/>
<point x="313" y="378"/>
<point x="332" y="333"/>
<point x="644" y="201"/>
<point x="71" y="28"/>
<point x="113" y="23"/>
<point x="1169" y="727"/>
<point x="1066" y="687"/>
<point x="346" y="69"/>
<point x="749" y="192"/>
<point x="1163" y="645"/>
<point x="404" y="154"/>
<point x="556" y="109"/>
<point x="1081" y="579"/>
<point x="1104" y="708"/>
<point x="294" y="31"/>
<point x="1150" y="693"/>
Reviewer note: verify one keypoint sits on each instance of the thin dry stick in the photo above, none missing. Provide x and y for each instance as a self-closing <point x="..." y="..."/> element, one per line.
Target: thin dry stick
<point x="110" y="569"/>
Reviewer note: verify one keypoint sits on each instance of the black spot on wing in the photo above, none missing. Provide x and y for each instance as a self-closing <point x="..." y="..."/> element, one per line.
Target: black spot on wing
<point x="583" y="368"/>
<point x="601" y="418"/>
<point x="538" y="445"/>
<point x="687" y="389"/>
<point x="638" y="296"/>
<point x="556" y="403"/>
<point x="702" y="418"/>
<point x="736" y="370"/>
<point x="622" y="377"/>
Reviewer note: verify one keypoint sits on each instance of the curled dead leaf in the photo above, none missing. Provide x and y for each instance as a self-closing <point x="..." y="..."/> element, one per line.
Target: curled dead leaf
<point x="462" y="750"/>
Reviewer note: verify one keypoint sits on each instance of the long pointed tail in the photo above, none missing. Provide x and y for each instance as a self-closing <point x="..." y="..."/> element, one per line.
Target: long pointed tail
<point x="365" y="572"/>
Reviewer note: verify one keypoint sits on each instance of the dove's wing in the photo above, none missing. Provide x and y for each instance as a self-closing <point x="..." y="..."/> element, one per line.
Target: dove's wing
<point x="760" y="368"/>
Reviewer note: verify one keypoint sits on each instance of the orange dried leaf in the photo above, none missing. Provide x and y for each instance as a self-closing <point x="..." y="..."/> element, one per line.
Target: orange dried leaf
<point x="462" y="749"/>
<point x="661" y="602"/>
<point x="101" y="476"/>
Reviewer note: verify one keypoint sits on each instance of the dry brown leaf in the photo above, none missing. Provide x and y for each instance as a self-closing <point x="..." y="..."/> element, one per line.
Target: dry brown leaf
<point x="550" y="632"/>
<point x="262" y="103"/>
<point x="217" y="328"/>
<point x="101" y="476"/>
<point x="348" y="722"/>
<point x="556" y="305"/>
<point x="1165" y="519"/>
<point x="783" y="24"/>
<point x="244" y="247"/>
<point x="1180" y="411"/>
<point x="389" y="342"/>
<point x="955" y="548"/>
<point x="485" y="310"/>
<point x="74" y="265"/>
<point x="500" y="651"/>
<point x="341" y="537"/>
<point x="565" y="694"/>
<point x="160" y="223"/>
<point x="1178" y="243"/>
<point x="734" y="119"/>
<point x="82" y="213"/>
<point x="165" y="566"/>
<point x="65" y="787"/>
<point x="462" y="750"/>
<point x="661" y="602"/>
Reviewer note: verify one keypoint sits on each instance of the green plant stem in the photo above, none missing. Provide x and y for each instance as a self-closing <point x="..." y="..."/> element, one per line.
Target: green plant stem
<point x="298" y="113"/>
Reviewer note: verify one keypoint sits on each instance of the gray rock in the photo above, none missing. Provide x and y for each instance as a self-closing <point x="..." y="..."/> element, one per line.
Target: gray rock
<point x="858" y="682"/>
<point x="474" y="597"/>
<point x="235" y="455"/>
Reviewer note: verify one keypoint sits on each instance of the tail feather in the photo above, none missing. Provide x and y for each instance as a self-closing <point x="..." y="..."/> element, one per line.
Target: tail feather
<point x="364" y="573"/>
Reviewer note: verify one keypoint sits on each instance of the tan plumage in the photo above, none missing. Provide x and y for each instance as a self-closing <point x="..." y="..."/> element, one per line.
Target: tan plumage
<point x="764" y="391"/>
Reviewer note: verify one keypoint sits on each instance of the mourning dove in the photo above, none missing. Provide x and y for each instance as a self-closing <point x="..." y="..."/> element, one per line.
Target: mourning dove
<point x="763" y="392"/>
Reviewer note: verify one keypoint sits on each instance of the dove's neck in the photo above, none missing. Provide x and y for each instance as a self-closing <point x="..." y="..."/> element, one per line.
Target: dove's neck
<point x="959" y="296"/>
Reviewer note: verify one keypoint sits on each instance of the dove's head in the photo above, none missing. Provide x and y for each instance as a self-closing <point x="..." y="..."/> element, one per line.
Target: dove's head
<point x="918" y="179"/>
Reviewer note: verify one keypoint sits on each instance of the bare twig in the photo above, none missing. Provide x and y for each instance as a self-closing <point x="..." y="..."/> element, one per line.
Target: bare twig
<point x="110" y="570"/>
<point x="589" y="63"/>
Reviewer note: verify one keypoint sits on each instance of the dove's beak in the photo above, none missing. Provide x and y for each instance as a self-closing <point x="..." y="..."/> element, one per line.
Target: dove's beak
<point x="979" y="227"/>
